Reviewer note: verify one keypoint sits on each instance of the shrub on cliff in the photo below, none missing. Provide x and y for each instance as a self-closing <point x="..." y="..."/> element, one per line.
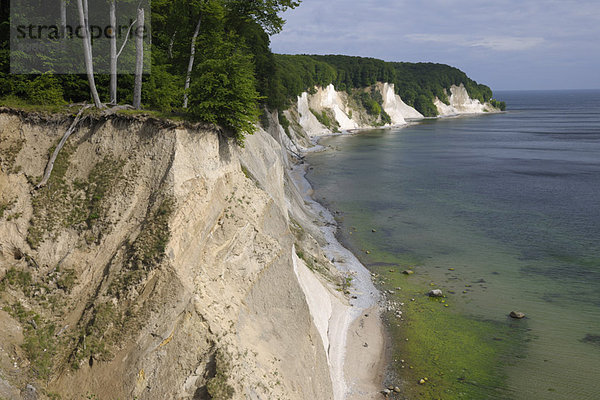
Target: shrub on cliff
<point x="45" y="90"/>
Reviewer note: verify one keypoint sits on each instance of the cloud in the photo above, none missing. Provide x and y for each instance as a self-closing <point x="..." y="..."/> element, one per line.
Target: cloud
<point x="497" y="43"/>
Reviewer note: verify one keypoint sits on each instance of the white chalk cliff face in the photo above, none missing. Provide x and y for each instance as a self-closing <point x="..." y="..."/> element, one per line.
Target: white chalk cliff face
<point x="397" y="109"/>
<point x="461" y="103"/>
<point x="348" y="115"/>
<point x="330" y="98"/>
<point x="309" y="123"/>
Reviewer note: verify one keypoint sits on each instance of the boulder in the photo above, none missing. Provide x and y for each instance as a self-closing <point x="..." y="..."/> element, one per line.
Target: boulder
<point x="435" y="293"/>
<point x="517" y="315"/>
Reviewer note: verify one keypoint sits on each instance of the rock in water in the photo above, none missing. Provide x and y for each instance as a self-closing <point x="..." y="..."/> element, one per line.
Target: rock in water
<point x="517" y="314"/>
<point x="593" y="339"/>
<point x="435" y="293"/>
<point x="408" y="272"/>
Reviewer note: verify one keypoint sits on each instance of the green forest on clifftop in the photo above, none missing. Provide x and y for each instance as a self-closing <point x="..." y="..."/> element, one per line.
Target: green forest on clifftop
<point x="234" y="74"/>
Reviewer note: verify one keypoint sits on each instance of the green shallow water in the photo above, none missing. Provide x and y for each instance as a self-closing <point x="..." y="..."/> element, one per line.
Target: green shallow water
<point x="510" y="203"/>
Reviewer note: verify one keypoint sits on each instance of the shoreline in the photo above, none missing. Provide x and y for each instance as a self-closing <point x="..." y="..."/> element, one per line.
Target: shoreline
<point x="359" y="350"/>
<point x="362" y="352"/>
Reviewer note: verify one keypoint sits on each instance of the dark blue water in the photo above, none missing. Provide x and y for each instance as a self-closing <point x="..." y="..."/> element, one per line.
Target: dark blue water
<point x="511" y="198"/>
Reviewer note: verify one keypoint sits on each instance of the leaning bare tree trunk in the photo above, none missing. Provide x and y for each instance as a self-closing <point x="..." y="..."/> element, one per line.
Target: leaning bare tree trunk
<point x="59" y="147"/>
<point x="188" y="77"/>
<point x="139" y="60"/>
<point x="87" y="50"/>
<point x="113" y="53"/>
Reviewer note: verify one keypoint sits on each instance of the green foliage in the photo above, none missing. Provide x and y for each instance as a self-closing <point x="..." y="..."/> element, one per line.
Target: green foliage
<point x="224" y="85"/>
<point x="424" y="105"/>
<point x="67" y="280"/>
<point x="217" y="387"/>
<point x="78" y="205"/>
<point x="501" y="105"/>
<point x="162" y="90"/>
<point x="19" y="279"/>
<point x="285" y="124"/>
<point x="265" y="13"/>
<point x="40" y="343"/>
<point x="327" y="118"/>
<point x="149" y="248"/>
<point x="372" y="102"/>
<point x="418" y="84"/>
<point x="385" y="118"/>
<point x="235" y="71"/>
<point x="5" y="206"/>
<point x="45" y="90"/>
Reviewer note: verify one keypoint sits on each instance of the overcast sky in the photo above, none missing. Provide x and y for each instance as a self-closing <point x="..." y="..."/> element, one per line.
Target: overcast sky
<point x="506" y="44"/>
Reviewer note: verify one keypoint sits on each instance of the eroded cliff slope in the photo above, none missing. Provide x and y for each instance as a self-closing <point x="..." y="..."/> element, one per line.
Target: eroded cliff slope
<point x="161" y="261"/>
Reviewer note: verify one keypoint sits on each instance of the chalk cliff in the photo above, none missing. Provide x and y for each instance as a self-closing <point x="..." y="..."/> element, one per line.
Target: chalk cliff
<point x="461" y="104"/>
<point x="162" y="261"/>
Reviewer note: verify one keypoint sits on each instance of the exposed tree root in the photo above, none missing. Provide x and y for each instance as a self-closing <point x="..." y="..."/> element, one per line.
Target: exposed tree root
<point x="60" y="145"/>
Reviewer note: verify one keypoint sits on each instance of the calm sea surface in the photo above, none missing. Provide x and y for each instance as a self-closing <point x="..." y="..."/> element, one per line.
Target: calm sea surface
<point x="511" y="201"/>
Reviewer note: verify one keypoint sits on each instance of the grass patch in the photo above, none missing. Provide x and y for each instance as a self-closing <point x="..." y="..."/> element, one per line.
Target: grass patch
<point x="52" y="202"/>
<point x="17" y="279"/>
<point x="97" y="336"/>
<point x="285" y="124"/>
<point x="40" y="343"/>
<point x="218" y="386"/>
<point x="146" y="252"/>
<point x="149" y="248"/>
<point x="78" y="204"/>
<point x="66" y="280"/>
<point x="327" y="118"/>
<point x="25" y="105"/>
<point x="8" y="156"/>
<point x="6" y="206"/>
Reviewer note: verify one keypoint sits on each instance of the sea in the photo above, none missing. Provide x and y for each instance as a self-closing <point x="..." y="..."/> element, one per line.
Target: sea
<point x="502" y="213"/>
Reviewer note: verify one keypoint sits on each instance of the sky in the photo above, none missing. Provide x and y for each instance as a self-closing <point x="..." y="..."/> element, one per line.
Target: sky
<point x="505" y="44"/>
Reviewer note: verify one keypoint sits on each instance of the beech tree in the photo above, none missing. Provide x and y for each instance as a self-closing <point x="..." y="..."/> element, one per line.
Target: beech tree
<point x="139" y="60"/>
<point x="264" y="12"/>
<point x="224" y="85"/>
<point x="113" y="52"/>
<point x="188" y="76"/>
<point x="82" y="7"/>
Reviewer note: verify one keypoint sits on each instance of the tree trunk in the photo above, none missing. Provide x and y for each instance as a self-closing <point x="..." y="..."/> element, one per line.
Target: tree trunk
<point x="63" y="19"/>
<point x="59" y="147"/>
<point x="171" y="43"/>
<point x="113" y="53"/>
<point x="87" y="50"/>
<point x="188" y="77"/>
<point x="139" y="60"/>
<point x="126" y="39"/>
